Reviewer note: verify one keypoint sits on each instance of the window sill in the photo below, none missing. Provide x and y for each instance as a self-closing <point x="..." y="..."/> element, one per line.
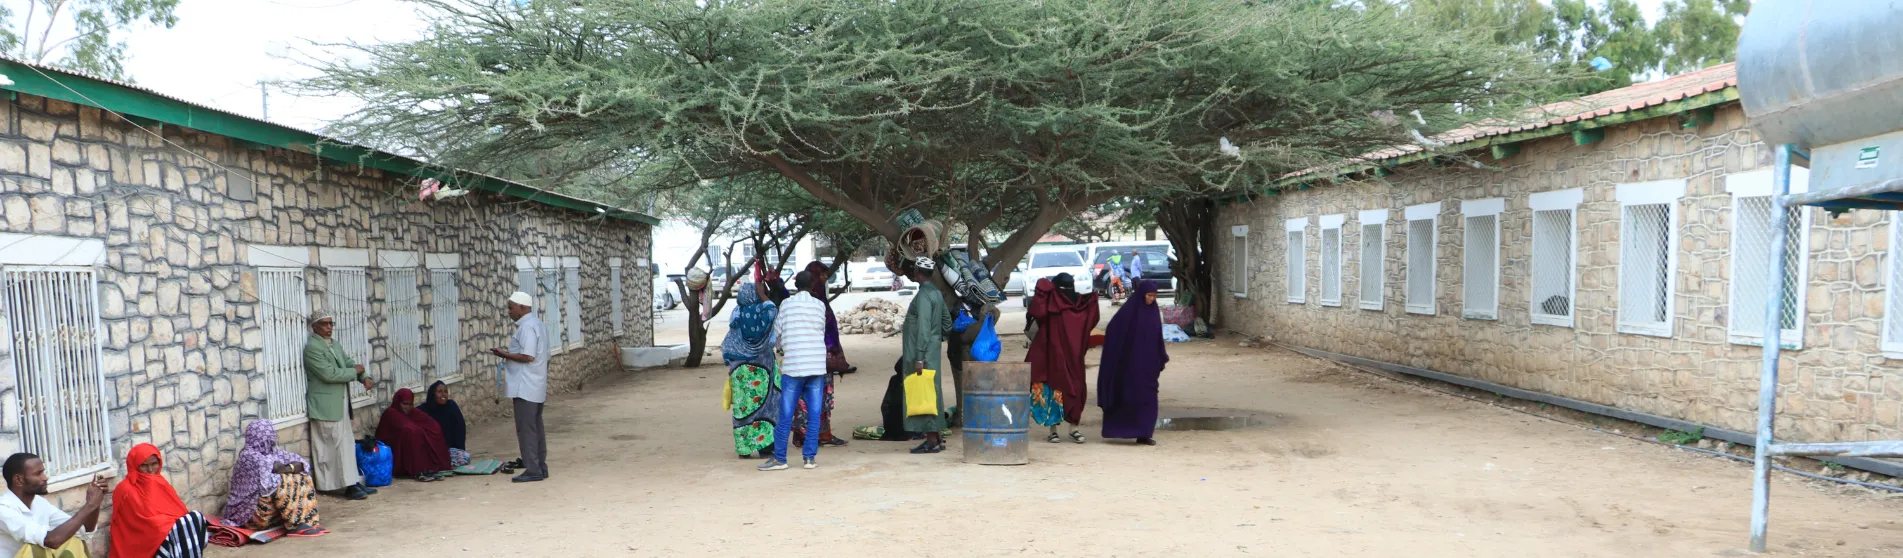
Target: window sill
<point x="1238" y="295"/>
<point x="1297" y="301"/>
<point x="1489" y="316"/>
<point x="451" y="380"/>
<point x="1375" y="307"/>
<point x="1647" y="330"/>
<point x="288" y="422"/>
<point x="1332" y="304"/>
<point x="1420" y="311"/>
<point x="79" y="478"/>
<point x="361" y="403"/>
<point x="1555" y="321"/>
<point x="1786" y="343"/>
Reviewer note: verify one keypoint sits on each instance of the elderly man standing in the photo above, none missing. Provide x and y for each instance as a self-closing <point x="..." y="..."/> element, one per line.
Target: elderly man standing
<point x="525" y="365"/>
<point x="327" y="399"/>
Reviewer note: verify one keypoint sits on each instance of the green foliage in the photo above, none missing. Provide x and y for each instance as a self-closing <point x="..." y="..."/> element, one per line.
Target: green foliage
<point x="37" y="33"/>
<point x="1683" y="438"/>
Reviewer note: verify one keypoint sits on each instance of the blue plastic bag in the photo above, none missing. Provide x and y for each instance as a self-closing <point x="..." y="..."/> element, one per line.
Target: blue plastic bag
<point x="963" y="321"/>
<point x="986" y="347"/>
<point x="1174" y="334"/>
<point x="375" y="465"/>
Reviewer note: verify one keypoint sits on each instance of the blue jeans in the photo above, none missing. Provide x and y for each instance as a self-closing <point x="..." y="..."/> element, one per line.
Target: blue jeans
<point x="792" y="390"/>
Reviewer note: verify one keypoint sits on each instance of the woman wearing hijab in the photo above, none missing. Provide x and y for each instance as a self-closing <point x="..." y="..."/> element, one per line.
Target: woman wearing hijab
<point x="835" y="363"/>
<point x="1133" y="359"/>
<point x="1064" y="320"/>
<point x="751" y="381"/>
<point x="271" y="487"/>
<point x="449" y="417"/>
<point x="148" y="518"/>
<point x="417" y="448"/>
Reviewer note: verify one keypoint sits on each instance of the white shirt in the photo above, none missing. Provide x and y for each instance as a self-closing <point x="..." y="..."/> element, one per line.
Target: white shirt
<point x="801" y="329"/>
<point x="527" y="380"/>
<point x="28" y="525"/>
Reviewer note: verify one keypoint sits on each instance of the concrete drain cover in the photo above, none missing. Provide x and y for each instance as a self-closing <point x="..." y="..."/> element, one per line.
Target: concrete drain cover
<point x="1236" y="422"/>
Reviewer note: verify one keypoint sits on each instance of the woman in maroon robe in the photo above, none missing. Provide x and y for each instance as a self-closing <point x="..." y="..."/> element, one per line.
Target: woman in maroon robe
<point x="416" y="442"/>
<point x="1064" y="320"/>
<point x="1133" y="359"/>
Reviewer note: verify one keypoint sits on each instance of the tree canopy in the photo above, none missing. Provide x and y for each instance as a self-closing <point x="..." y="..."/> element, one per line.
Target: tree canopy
<point x="78" y="34"/>
<point x="978" y="111"/>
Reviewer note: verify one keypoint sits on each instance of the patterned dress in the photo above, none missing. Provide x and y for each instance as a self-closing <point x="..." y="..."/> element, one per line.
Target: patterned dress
<point x="755" y="406"/>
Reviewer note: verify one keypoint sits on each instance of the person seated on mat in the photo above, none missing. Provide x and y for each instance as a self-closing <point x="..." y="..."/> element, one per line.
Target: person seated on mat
<point x="449" y="417"/>
<point x="31" y="521"/>
<point x="271" y="487"/>
<point x="417" y="448"/>
<point x="148" y="518"/>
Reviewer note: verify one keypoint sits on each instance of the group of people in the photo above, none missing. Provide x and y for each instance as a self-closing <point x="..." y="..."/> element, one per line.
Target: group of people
<point x="272" y="488"/>
<point x="783" y="361"/>
<point x="1130" y="365"/>
<point x="1120" y="275"/>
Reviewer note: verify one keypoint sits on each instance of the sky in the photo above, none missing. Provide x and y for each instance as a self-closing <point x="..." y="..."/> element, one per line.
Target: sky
<point x="222" y="49"/>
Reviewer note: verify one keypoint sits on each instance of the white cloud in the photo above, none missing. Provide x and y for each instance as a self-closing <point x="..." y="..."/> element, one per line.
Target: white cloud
<point x="221" y="49"/>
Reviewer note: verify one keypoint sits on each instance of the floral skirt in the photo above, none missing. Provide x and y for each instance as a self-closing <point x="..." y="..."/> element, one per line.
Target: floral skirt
<point x="1047" y="405"/>
<point x="756" y="407"/>
<point x="825" y="417"/>
<point x="458" y="458"/>
<point x="294" y="503"/>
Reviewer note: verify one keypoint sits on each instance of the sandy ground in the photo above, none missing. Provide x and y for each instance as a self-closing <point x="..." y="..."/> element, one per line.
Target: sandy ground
<point x="1350" y="464"/>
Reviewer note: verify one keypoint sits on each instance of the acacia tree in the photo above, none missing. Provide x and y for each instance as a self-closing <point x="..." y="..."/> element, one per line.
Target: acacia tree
<point x="78" y="34"/>
<point x="980" y="112"/>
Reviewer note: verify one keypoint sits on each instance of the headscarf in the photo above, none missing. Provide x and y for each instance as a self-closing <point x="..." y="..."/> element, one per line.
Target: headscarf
<point x="1066" y="285"/>
<point x="819" y="272"/>
<point x="144" y="507"/>
<point x="415" y="440"/>
<point x="1133" y="352"/>
<point x="254" y="474"/>
<point x="776" y="288"/>
<point x="749" y="329"/>
<point x="449" y="416"/>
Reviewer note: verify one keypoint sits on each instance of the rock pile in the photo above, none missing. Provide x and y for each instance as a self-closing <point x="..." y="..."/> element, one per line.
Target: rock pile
<point x="872" y="316"/>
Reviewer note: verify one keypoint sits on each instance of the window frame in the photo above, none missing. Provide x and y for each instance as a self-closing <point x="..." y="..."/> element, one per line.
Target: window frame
<point x="263" y="259"/>
<point x="1658" y="192"/>
<point x="1240" y="275"/>
<point x="616" y="308"/>
<point x="1331" y="223"/>
<point x="571" y="300"/>
<point x="354" y="261"/>
<point x="395" y="265"/>
<point x="1429" y="212"/>
<point x="1892" y="347"/>
<point x="1567" y="200"/>
<point x="1296" y="247"/>
<point x="1470" y="210"/>
<point x="445" y="265"/>
<point x="1757" y="184"/>
<point x="1379" y="218"/>
<point x="27" y="253"/>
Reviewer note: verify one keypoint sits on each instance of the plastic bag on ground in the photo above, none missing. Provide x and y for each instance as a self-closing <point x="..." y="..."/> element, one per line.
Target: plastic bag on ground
<point x="1174" y="333"/>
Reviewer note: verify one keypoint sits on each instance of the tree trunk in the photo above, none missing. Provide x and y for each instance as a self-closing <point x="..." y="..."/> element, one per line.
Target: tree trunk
<point x="696" y="329"/>
<point x="1189" y="222"/>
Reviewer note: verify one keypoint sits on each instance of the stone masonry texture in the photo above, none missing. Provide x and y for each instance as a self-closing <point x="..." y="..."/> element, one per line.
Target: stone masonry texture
<point x="179" y="305"/>
<point x="1838" y="387"/>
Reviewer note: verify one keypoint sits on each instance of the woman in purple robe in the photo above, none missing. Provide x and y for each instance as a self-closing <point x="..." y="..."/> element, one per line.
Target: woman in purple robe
<point x="1133" y="359"/>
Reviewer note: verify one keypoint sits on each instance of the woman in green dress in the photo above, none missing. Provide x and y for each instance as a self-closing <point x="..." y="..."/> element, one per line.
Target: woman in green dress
<point x="753" y="388"/>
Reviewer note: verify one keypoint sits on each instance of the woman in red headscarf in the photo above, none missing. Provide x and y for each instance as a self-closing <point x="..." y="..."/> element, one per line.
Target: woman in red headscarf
<point x="1064" y="319"/>
<point x="416" y="442"/>
<point x="148" y="518"/>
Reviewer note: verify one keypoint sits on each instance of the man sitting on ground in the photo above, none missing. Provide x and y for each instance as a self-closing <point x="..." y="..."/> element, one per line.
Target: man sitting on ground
<point x="30" y="520"/>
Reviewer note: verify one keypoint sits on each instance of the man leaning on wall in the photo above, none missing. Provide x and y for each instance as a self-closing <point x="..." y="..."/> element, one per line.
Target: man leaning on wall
<point x="330" y="371"/>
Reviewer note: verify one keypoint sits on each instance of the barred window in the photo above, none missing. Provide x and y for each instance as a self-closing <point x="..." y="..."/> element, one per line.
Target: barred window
<point x="1648" y="259"/>
<point x="1480" y="258"/>
<point x="406" y="326"/>
<point x="1374" y="253"/>
<point x="446" y="324"/>
<point x="1893" y="293"/>
<point x="52" y="317"/>
<point x="571" y="296"/>
<point x="614" y="295"/>
<point x="282" y="309"/>
<point x="551" y="284"/>
<point x="348" y="298"/>
<point x="1421" y="261"/>
<point x="1752" y="210"/>
<point x="1331" y="260"/>
<point x="1239" y="261"/>
<point x="1297" y="263"/>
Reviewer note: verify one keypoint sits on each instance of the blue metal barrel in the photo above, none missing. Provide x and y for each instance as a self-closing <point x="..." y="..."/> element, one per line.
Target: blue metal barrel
<point x="997" y="409"/>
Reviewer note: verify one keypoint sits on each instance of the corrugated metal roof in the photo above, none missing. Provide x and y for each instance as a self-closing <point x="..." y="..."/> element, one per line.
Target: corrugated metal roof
<point x="1617" y="101"/>
<point x="529" y="193"/>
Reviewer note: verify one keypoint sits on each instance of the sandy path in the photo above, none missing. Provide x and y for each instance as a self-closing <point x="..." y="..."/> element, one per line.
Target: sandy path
<point x="1353" y="465"/>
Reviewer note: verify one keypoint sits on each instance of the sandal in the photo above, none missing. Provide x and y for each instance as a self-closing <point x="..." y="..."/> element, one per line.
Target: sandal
<point x="835" y="442"/>
<point x="1076" y="436"/>
<point x="516" y="464"/>
<point x="1054" y="438"/>
<point x="426" y="478"/>
<point x="928" y="448"/>
<point x="307" y="532"/>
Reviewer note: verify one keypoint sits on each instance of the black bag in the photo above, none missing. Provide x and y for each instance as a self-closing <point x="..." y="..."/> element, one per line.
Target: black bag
<point x="892" y="409"/>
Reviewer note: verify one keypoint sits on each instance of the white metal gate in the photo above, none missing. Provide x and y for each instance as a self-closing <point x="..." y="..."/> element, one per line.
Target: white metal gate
<point x="282" y="310"/>
<point x="406" y="327"/>
<point x="445" y="324"/>
<point x="349" y="301"/>
<point x="53" y="316"/>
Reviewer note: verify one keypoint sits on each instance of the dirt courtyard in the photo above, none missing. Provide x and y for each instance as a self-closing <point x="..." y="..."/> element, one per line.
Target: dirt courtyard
<point x="1350" y="464"/>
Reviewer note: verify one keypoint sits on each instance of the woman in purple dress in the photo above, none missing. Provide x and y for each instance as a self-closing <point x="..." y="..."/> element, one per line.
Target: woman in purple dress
<point x="1133" y="359"/>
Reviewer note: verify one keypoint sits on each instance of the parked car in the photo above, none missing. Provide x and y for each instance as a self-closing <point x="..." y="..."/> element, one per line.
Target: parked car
<point x="875" y="277"/>
<point x="665" y="297"/>
<point x="1049" y="262"/>
<point x="1157" y="256"/>
<point x="1015" y="285"/>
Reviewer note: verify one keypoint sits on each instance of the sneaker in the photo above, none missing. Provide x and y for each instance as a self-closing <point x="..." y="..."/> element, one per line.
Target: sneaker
<point x="773" y="465"/>
<point x="355" y="493"/>
<point x="525" y="477"/>
<point x="811" y="463"/>
<point x="366" y="489"/>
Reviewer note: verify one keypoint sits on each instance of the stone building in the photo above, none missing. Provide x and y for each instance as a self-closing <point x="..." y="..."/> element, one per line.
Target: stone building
<point x="159" y="260"/>
<point x="1613" y="250"/>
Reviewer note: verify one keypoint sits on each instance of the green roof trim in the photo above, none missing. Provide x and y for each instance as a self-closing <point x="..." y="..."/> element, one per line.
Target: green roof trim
<point x="147" y="107"/>
<point x="1509" y="142"/>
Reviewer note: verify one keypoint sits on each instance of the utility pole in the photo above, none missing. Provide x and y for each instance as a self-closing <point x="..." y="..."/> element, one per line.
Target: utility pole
<point x="264" y="98"/>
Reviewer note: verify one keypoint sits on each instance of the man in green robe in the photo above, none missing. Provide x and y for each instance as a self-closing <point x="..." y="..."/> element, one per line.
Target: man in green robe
<point x="330" y="371"/>
<point x="926" y="321"/>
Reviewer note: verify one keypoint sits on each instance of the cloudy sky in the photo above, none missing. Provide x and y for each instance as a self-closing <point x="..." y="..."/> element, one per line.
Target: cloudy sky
<point x="222" y="49"/>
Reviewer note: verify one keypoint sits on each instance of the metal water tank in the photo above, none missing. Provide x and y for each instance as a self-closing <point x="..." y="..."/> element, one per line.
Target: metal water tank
<point x="1827" y="75"/>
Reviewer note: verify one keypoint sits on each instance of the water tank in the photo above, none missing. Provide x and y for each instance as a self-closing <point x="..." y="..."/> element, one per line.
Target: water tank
<point x="1822" y="72"/>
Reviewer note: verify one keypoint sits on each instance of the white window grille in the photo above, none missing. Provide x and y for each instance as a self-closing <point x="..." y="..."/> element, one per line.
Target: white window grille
<point x="1751" y="208"/>
<point x="614" y="296"/>
<point x="1374" y="254"/>
<point x="571" y="275"/>
<point x="282" y="309"/>
<point x="1893" y="291"/>
<point x="446" y="308"/>
<point x="349" y="303"/>
<point x="551" y="285"/>
<point x="1648" y="258"/>
<point x="406" y="326"/>
<point x="1331" y="259"/>
<point x="53" y="316"/>
<point x="1480" y="258"/>
<point x="1239" y="256"/>
<point x="525" y="275"/>
<point x="1297" y="260"/>
<point x="1554" y="265"/>
<point x="1422" y="221"/>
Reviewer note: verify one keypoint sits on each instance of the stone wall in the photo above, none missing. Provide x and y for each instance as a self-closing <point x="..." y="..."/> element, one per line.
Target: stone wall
<point x="1839" y="386"/>
<point x="179" y="304"/>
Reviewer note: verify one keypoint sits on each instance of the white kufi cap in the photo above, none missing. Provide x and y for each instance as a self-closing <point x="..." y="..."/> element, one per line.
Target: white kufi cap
<point x="522" y="298"/>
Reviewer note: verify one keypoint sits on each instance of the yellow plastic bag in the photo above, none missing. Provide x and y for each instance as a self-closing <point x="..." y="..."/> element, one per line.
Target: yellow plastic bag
<point x="921" y="393"/>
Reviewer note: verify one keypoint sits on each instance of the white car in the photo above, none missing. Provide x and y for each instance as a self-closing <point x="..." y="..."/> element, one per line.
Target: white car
<point x="875" y="277"/>
<point x="1050" y="262"/>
